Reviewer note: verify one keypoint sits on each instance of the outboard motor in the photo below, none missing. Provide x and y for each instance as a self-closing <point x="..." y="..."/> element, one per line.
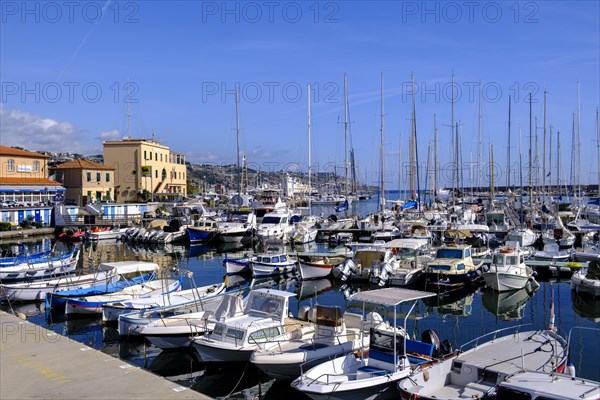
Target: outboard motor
<point x="347" y="269"/>
<point x="385" y="272"/>
<point x="431" y="337"/>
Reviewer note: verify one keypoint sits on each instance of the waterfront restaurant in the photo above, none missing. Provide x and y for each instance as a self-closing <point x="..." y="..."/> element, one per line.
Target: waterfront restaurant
<point x="24" y="178"/>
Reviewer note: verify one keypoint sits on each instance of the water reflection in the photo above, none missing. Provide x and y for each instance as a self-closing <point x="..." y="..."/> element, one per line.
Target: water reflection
<point x="586" y="306"/>
<point x="455" y="303"/>
<point x="508" y="306"/>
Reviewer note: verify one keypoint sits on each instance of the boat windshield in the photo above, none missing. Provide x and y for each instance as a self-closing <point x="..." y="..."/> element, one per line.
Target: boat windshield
<point x="271" y="220"/>
<point x="498" y="259"/>
<point x="449" y="253"/>
<point x="270" y="306"/>
<point x="495" y="219"/>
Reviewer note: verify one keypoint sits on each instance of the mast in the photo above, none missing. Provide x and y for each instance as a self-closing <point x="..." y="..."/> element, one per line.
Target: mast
<point x="492" y="174"/>
<point x="435" y="156"/>
<point x="477" y="177"/>
<point x="573" y="156"/>
<point x="381" y="188"/>
<point x="530" y="158"/>
<point x="550" y="171"/>
<point x="508" y="150"/>
<point x="309" y="161"/>
<point x="578" y="171"/>
<point x="413" y="174"/>
<point x="598" y="147"/>
<point x="521" y="176"/>
<point x="558" y="161"/>
<point x="452" y="159"/>
<point x="416" y="143"/>
<point x="544" y="154"/>
<point x="345" y="135"/>
<point x="237" y="129"/>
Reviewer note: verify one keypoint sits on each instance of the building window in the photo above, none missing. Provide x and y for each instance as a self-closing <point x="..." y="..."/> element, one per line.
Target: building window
<point x="108" y="177"/>
<point x="161" y="157"/>
<point x="156" y="173"/>
<point x="36" y="166"/>
<point x="89" y="178"/>
<point x="108" y="195"/>
<point x="98" y="176"/>
<point x="89" y="195"/>
<point x="145" y="155"/>
<point x="156" y="157"/>
<point x="10" y="166"/>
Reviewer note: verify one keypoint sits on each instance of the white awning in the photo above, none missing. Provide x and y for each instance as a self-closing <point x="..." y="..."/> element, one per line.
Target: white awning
<point x="390" y="296"/>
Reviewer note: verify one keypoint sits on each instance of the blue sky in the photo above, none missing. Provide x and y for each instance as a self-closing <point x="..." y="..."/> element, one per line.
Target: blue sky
<point x="67" y="72"/>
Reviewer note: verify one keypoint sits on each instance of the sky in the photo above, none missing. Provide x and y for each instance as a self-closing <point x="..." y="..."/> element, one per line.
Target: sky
<point x="72" y="72"/>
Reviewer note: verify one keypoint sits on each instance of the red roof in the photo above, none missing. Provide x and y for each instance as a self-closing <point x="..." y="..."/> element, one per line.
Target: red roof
<point x="11" y="151"/>
<point x="27" y="181"/>
<point x="82" y="164"/>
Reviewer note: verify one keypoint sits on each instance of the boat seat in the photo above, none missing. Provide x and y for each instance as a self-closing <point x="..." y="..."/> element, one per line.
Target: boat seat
<point x="368" y="371"/>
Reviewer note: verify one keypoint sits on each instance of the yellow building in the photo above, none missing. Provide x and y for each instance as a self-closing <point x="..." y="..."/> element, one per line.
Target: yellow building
<point x="24" y="177"/>
<point x="86" y="181"/>
<point x="146" y="170"/>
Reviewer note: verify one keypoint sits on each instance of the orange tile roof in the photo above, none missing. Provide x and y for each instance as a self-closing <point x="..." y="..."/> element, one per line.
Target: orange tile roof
<point x="27" y="181"/>
<point x="82" y="164"/>
<point x="11" y="151"/>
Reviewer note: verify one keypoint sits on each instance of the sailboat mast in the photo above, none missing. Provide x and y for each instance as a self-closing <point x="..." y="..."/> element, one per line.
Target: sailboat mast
<point x="508" y="149"/>
<point x="530" y="158"/>
<point x="435" y="156"/>
<point x="544" y="153"/>
<point x="521" y="176"/>
<point x="578" y="137"/>
<point x="558" y="161"/>
<point x="477" y="177"/>
<point x="573" y="156"/>
<point x="237" y="129"/>
<point x="418" y="198"/>
<point x="345" y="135"/>
<point x="452" y="159"/>
<point x="309" y="160"/>
<point x="550" y="168"/>
<point x="381" y="188"/>
<point x="598" y="146"/>
<point x="492" y="174"/>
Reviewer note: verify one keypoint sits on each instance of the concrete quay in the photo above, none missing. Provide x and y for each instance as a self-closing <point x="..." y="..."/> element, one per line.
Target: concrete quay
<point x="36" y="363"/>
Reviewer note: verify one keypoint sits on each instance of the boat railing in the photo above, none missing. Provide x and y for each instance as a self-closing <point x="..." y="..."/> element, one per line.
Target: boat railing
<point x="494" y="334"/>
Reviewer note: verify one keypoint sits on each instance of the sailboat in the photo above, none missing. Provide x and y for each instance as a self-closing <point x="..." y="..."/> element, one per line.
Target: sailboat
<point x="305" y="231"/>
<point x="523" y="235"/>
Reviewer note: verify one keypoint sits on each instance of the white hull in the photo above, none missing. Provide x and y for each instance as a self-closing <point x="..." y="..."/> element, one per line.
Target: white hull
<point x="503" y="282"/>
<point x="581" y="284"/>
<point x="260" y="269"/>
<point x="314" y="270"/>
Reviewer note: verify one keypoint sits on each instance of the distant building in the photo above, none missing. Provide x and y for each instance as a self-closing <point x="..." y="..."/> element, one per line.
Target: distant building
<point x="24" y="177"/>
<point x="146" y="170"/>
<point x="86" y="181"/>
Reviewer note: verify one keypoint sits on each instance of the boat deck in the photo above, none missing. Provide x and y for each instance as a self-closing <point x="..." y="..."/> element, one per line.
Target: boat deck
<point x="64" y="369"/>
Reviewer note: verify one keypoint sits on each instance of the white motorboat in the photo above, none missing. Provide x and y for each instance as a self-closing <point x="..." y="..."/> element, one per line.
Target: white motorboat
<point x="552" y="252"/>
<point x="234" y="266"/>
<point x="508" y="270"/>
<point x="523" y="236"/>
<point x="109" y="234"/>
<point x="406" y="268"/>
<point x="587" y="281"/>
<point x="316" y="267"/>
<point x="476" y="372"/>
<point x="333" y="337"/>
<point x="43" y="268"/>
<point x="177" y="330"/>
<point x="391" y="356"/>
<point x="37" y="290"/>
<point x="267" y="264"/>
<point x="90" y="305"/>
<point x="274" y="226"/>
<point x="112" y="311"/>
<point x="590" y="253"/>
<point x="364" y="259"/>
<point x="265" y="319"/>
